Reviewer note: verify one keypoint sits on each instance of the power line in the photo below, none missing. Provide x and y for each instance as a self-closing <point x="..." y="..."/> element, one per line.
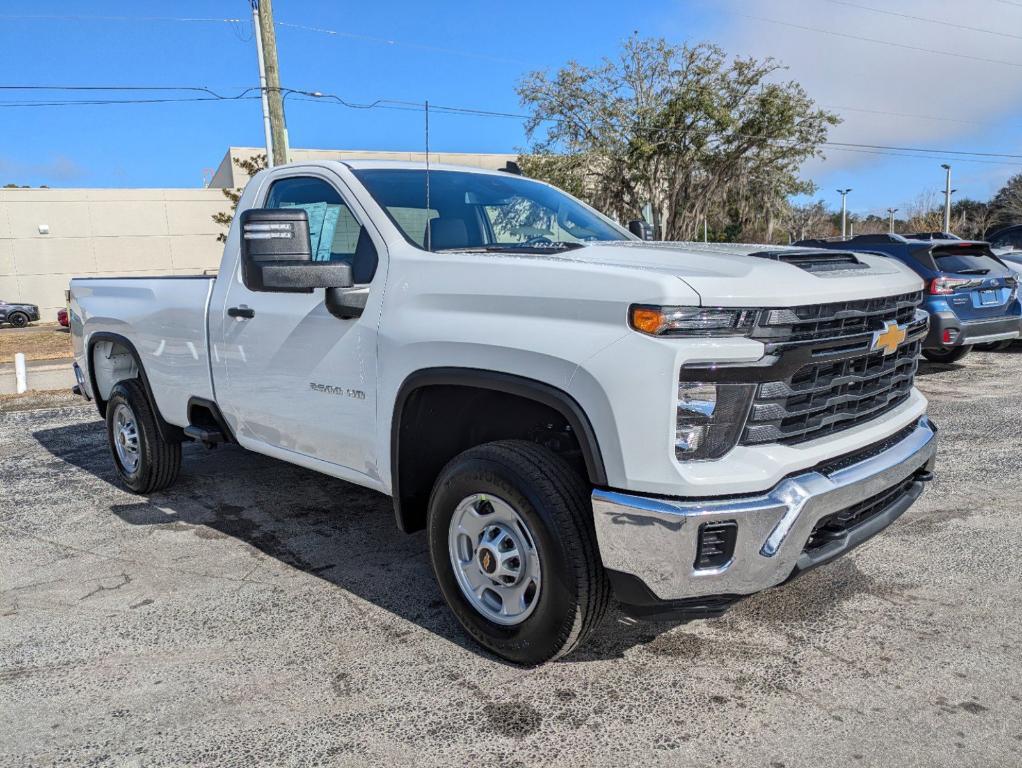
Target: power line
<point x="404" y="105"/>
<point x="198" y="88"/>
<point x="933" y="154"/>
<point x="925" y="19"/>
<point x="388" y="41"/>
<point x="881" y="42"/>
<point x="912" y="115"/>
<point x="105" y="102"/>
<point x="76" y="17"/>
<point x="238" y="22"/>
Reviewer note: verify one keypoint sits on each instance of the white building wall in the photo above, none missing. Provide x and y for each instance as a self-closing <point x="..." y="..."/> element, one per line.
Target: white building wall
<point x="95" y="232"/>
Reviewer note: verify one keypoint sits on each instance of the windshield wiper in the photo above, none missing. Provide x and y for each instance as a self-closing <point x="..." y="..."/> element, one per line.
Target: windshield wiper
<point x="505" y="247"/>
<point x="973" y="271"/>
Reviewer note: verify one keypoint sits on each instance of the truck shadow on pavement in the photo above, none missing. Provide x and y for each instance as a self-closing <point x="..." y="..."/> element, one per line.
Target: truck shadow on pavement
<point x="334" y="530"/>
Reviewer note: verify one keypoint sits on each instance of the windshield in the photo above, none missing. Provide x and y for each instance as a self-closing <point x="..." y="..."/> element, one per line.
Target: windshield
<point x="481" y="211"/>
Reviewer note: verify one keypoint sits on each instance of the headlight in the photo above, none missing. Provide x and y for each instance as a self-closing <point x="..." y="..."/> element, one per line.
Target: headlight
<point x="710" y="418"/>
<point x="690" y="321"/>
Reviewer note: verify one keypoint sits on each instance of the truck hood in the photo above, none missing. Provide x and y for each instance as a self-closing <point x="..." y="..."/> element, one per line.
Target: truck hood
<point x="729" y="275"/>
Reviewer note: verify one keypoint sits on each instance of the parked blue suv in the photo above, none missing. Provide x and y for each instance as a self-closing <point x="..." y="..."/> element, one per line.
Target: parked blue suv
<point x="971" y="295"/>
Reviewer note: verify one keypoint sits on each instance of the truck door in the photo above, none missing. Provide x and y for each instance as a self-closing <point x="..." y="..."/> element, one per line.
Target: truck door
<point x="289" y="375"/>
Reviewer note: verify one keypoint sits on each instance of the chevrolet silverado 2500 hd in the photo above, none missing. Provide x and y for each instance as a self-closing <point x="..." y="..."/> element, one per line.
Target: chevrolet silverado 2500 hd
<point x="569" y="412"/>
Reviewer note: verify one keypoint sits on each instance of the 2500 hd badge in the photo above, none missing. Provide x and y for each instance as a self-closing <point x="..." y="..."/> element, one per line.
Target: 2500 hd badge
<point x="355" y="394"/>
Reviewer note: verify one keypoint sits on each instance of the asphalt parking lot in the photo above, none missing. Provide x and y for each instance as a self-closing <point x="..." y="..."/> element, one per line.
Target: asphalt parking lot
<point x="259" y="613"/>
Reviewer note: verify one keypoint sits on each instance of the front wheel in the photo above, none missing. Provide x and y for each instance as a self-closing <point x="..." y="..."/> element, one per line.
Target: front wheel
<point x="947" y="355"/>
<point x="514" y="550"/>
<point x="144" y="460"/>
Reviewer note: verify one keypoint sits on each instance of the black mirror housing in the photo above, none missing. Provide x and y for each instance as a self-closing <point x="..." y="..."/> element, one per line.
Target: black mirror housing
<point x="276" y="254"/>
<point x="641" y="229"/>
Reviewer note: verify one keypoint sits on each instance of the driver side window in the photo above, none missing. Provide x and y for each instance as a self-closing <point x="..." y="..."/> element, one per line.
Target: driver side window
<point x="335" y="233"/>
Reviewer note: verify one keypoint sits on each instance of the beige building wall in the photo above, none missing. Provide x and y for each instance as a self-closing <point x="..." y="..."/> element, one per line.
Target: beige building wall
<point x="95" y="232"/>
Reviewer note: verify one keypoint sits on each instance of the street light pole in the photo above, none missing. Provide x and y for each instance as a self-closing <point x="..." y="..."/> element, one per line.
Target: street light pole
<point x="891" y="212"/>
<point x="947" y="199"/>
<point x="844" y="211"/>
<point x="262" y="83"/>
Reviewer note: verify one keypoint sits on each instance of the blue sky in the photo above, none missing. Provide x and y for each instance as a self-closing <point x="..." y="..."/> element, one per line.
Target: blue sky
<point x="471" y="54"/>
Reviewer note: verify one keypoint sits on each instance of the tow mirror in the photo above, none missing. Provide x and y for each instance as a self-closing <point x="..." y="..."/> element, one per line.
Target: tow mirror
<point x="276" y="254"/>
<point x="640" y="229"/>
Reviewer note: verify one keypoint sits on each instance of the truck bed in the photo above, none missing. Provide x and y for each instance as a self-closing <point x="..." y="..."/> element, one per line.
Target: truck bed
<point x="164" y="319"/>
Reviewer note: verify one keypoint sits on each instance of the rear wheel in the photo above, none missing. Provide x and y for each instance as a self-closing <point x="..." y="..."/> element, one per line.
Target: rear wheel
<point x="18" y="319"/>
<point x="144" y="460"/>
<point x="514" y="550"/>
<point x="947" y="355"/>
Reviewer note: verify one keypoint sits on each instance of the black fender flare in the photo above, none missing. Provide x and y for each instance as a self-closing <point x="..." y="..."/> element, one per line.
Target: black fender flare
<point x="512" y="384"/>
<point x="168" y="431"/>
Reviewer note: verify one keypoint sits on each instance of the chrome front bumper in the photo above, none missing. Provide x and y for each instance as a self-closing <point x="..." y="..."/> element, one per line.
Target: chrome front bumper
<point x="655" y="540"/>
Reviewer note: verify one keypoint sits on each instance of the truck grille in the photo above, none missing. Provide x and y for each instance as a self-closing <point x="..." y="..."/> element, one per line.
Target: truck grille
<point x="842" y="383"/>
<point x="826" y="321"/>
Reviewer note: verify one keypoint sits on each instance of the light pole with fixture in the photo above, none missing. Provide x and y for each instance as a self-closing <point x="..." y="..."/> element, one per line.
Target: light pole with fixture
<point x="891" y="212"/>
<point x="844" y="211"/>
<point x="947" y="199"/>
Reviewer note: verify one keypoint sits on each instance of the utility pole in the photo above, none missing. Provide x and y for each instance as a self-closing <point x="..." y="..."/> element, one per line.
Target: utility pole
<point x="947" y="199"/>
<point x="891" y="212"/>
<point x="844" y="211"/>
<point x="256" y="27"/>
<point x="268" y="37"/>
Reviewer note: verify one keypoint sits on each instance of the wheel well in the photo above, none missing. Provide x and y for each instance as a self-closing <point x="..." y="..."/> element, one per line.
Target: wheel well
<point x="436" y="422"/>
<point x="110" y="362"/>
<point x="112" y="358"/>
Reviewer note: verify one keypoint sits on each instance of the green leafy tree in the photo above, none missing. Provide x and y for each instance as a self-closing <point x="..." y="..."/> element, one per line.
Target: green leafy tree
<point x="1007" y="203"/>
<point x="251" y="166"/>
<point x="694" y="135"/>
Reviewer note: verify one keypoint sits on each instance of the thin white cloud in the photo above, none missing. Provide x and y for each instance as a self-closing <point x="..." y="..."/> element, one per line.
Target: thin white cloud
<point x="843" y="72"/>
<point x="59" y="169"/>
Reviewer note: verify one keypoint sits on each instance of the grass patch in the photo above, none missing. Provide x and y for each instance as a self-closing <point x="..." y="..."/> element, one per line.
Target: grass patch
<point x="39" y="342"/>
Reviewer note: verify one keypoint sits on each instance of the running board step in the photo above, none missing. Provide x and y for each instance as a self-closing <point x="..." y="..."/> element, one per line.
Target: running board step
<point x="208" y="436"/>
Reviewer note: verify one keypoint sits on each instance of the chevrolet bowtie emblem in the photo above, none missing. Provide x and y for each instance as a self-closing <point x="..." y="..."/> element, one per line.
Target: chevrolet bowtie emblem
<point x="889" y="339"/>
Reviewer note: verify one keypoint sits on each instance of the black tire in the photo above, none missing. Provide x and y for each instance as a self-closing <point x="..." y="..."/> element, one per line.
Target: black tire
<point x="159" y="460"/>
<point x="17" y="319"/>
<point x="947" y="355"/>
<point x="554" y="502"/>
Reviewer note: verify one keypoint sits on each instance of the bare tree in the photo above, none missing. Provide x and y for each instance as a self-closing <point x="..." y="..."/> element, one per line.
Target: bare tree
<point x="925" y="214"/>
<point x="807" y="221"/>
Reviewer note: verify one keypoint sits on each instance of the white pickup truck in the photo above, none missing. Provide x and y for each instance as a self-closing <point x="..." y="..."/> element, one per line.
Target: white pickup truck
<point x="570" y="412"/>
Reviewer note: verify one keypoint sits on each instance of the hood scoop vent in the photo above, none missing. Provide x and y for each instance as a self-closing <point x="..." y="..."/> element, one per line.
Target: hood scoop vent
<point x="815" y="261"/>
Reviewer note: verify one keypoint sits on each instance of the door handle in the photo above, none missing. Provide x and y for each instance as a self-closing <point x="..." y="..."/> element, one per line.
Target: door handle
<point x="246" y="312"/>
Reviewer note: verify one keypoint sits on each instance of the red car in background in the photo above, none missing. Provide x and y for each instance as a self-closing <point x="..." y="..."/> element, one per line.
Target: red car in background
<point x="62" y="318"/>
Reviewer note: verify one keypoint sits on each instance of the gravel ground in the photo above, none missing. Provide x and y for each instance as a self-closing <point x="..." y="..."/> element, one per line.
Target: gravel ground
<point x="260" y="614"/>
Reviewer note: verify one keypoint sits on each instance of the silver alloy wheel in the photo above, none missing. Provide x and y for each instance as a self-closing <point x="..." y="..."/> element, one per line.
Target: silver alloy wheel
<point x="495" y="559"/>
<point x="126" y="438"/>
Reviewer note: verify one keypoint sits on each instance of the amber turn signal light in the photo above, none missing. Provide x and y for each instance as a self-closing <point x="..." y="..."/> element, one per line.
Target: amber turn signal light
<point x="646" y="319"/>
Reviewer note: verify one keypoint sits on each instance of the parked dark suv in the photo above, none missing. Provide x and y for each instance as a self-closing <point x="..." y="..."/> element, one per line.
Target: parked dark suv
<point x="971" y="295"/>
<point x="18" y="315"/>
